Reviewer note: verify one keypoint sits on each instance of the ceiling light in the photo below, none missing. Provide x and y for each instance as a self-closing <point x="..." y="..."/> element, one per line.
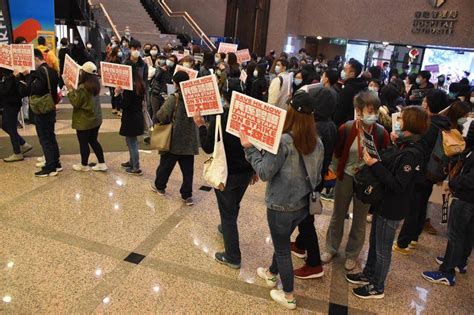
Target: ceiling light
<point x="385" y="43"/>
<point x="319" y="37"/>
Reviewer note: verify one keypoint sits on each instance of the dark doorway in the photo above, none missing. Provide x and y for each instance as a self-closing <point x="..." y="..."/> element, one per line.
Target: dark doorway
<point x="247" y="21"/>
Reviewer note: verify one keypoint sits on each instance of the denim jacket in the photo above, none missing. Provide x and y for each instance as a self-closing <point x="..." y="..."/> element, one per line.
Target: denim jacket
<point x="288" y="185"/>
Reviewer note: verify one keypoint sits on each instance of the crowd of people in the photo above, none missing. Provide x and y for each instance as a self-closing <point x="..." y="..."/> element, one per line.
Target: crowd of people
<point x="331" y="108"/>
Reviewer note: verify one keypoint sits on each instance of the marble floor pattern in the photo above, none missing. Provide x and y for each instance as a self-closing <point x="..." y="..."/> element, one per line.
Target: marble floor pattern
<point x="104" y="243"/>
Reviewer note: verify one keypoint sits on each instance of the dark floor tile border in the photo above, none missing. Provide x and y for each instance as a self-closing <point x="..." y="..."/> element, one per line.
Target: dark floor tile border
<point x="205" y="188"/>
<point x="134" y="258"/>
<point x="337" y="309"/>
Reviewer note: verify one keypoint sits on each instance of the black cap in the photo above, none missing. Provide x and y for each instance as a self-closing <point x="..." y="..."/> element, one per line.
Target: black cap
<point x="324" y="103"/>
<point x="302" y="103"/>
<point x="180" y="76"/>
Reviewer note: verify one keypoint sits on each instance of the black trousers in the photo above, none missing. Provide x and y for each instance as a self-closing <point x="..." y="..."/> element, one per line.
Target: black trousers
<point x="167" y="163"/>
<point x="308" y="239"/>
<point x="9" y="125"/>
<point x="414" y="222"/>
<point x="115" y="100"/>
<point x="47" y="137"/>
<point x="86" y="138"/>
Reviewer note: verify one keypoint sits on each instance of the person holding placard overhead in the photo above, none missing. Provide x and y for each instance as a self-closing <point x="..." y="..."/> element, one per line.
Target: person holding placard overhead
<point x="292" y="174"/>
<point x="184" y="143"/>
<point x="87" y="117"/>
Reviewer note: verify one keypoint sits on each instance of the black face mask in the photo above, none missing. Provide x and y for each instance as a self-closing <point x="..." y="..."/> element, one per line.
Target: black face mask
<point x="147" y="51"/>
<point x="440" y="81"/>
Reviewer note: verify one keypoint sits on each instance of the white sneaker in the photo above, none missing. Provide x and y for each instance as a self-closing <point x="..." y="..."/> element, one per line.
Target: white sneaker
<point x="26" y="148"/>
<point x="100" y="167"/>
<point x="40" y="159"/>
<point x="81" y="168"/>
<point x="262" y="273"/>
<point x="40" y="164"/>
<point x="326" y="257"/>
<point x="350" y="264"/>
<point x="279" y="297"/>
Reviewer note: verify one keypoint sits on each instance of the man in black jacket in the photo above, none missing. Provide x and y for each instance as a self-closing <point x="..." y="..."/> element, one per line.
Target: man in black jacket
<point x="419" y="90"/>
<point x="460" y="225"/>
<point x="353" y="84"/>
<point x="37" y="85"/>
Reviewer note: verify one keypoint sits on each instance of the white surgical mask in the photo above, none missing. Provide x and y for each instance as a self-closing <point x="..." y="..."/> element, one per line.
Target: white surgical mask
<point x="418" y="81"/>
<point x="114" y="45"/>
<point x="369" y="119"/>
<point x="472" y="99"/>
<point x="154" y="52"/>
<point x="162" y="62"/>
<point x="255" y="73"/>
<point x="120" y="54"/>
<point x="169" y="63"/>
<point x="277" y="69"/>
<point x="373" y="89"/>
<point x="343" y="75"/>
<point x="127" y="34"/>
<point x="135" y="54"/>
<point x="298" y="81"/>
<point x="89" y="46"/>
<point x="217" y="60"/>
<point x="76" y="42"/>
<point x="187" y="64"/>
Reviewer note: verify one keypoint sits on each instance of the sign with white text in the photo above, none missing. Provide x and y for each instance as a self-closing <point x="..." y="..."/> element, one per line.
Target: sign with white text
<point x="202" y="95"/>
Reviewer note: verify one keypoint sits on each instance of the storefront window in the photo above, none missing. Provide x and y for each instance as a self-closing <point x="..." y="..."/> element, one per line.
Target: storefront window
<point x="453" y="64"/>
<point x="356" y="51"/>
<point x="396" y="55"/>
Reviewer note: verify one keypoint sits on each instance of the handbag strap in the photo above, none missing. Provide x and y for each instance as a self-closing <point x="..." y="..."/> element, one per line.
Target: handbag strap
<point x="176" y="95"/>
<point x="47" y="79"/>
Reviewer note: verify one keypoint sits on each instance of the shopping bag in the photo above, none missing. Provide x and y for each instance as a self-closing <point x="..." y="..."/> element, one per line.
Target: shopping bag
<point x="215" y="168"/>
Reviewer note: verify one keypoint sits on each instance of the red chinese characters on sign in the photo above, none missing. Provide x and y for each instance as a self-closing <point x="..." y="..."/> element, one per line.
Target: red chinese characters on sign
<point x="243" y="55"/>
<point x="71" y="71"/>
<point x="116" y="75"/>
<point x="6" y="57"/>
<point x="23" y="57"/>
<point x="261" y="122"/>
<point x="227" y="48"/>
<point x="202" y="95"/>
<point x="192" y="73"/>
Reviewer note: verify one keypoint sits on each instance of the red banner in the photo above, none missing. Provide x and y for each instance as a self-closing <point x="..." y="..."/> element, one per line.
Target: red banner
<point x="23" y="57"/>
<point x="71" y="71"/>
<point x="227" y="48"/>
<point x="261" y="122"/>
<point x="192" y="73"/>
<point x="243" y="56"/>
<point x="202" y="95"/>
<point x="116" y="75"/>
<point x="6" y="57"/>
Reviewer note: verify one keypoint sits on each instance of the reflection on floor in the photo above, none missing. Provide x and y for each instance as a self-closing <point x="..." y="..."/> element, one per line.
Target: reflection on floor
<point x="64" y="241"/>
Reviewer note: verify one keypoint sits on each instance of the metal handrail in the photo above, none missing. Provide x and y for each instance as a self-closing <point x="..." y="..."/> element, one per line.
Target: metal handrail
<point x="107" y="16"/>
<point x="185" y="15"/>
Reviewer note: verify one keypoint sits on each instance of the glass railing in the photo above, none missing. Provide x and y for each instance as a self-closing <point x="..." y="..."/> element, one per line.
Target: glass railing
<point x="178" y="22"/>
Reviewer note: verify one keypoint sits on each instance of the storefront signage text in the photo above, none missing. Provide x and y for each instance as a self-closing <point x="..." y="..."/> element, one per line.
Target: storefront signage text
<point x="435" y="22"/>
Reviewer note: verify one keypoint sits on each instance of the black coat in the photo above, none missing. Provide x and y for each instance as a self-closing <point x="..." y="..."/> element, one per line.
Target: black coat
<point x="260" y="89"/>
<point x="9" y="90"/>
<point x="37" y="83"/>
<point x="399" y="170"/>
<point x="133" y="123"/>
<point x="462" y="185"/>
<point x="62" y="56"/>
<point x="345" y="109"/>
<point x="428" y="141"/>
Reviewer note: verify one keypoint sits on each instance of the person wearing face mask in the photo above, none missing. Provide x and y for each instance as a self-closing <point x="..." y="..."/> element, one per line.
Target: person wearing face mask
<point x="221" y="75"/>
<point x="280" y="87"/>
<point x="207" y="66"/>
<point x="374" y="86"/>
<point x="154" y="54"/>
<point x="77" y="51"/>
<point x="260" y="83"/>
<point x="353" y="84"/>
<point x="458" y="113"/>
<point x="441" y="82"/>
<point x="218" y="58"/>
<point x="146" y="50"/>
<point x="116" y="100"/>
<point x="187" y="62"/>
<point x="127" y="35"/>
<point x="250" y="78"/>
<point x="418" y="90"/>
<point x="433" y="103"/>
<point x="90" y="53"/>
<point x="348" y="160"/>
<point x="39" y="83"/>
<point x="159" y="90"/>
<point x="298" y="81"/>
<point x="398" y="170"/>
<point x="184" y="143"/>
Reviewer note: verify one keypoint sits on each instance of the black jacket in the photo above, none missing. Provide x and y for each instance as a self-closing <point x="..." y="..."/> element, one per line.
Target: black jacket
<point x="62" y="56"/>
<point x="415" y="86"/>
<point x="345" y="110"/>
<point x="133" y="123"/>
<point x="235" y="156"/>
<point x="259" y="89"/>
<point x="9" y="89"/>
<point x="398" y="172"/>
<point x="163" y="76"/>
<point x="462" y="185"/>
<point x="428" y="141"/>
<point x="37" y="83"/>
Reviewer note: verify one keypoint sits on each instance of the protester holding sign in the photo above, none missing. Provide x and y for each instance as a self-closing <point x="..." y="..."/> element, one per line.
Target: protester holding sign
<point x="348" y="156"/>
<point x="299" y="157"/>
<point x="398" y="171"/>
<point x="184" y="143"/>
<point x="87" y="116"/>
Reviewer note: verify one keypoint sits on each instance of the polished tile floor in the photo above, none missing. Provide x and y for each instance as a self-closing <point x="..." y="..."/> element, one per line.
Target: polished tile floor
<point x="104" y="243"/>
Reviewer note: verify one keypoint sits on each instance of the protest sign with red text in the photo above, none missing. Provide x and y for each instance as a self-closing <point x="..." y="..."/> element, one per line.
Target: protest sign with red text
<point x="6" y="57"/>
<point x="243" y="55"/>
<point x="23" y="57"/>
<point x="116" y="75"/>
<point x="71" y="71"/>
<point x="261" y="122"/>
<point x="227" y="48"/>
<point x="202" y="95"/>
<point x="148" y="61"/>
<point x="192" y="73"/>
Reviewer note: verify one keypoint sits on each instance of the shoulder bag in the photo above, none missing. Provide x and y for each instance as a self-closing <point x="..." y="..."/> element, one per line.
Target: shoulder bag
<point x="161" y="135"/>
<point x="215" y="168"/>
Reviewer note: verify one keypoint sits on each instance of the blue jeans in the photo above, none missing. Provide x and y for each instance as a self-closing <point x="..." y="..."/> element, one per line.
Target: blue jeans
<point x="282" y="224"/>
<point x="460" y="235"/>
<point x="9" y="125"/>
<point x="132" y="143"/>
<point x="382" y="234"/>
<point x="47" y="138"/>
<point x="228" y="202"/>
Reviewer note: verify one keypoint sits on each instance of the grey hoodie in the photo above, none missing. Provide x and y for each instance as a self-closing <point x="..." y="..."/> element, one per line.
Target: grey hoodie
<point x="288" y="187"/>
